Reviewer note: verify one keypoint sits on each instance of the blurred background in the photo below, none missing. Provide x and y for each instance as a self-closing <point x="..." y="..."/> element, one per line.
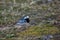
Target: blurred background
<point x="44" y="19"/>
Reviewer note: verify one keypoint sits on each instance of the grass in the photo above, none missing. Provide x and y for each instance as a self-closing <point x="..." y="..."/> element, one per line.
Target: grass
<point x="34" y="11"/>
<point x="33" y="31"/>
<point x="8" y="19"/>
<point x="39" y="31"/>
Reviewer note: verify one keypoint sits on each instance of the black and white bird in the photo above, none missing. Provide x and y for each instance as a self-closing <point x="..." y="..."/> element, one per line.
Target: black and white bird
<point x="24" y="21"/>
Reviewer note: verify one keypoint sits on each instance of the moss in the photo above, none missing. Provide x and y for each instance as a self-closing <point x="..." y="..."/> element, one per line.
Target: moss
<point x="39" y="31"/>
